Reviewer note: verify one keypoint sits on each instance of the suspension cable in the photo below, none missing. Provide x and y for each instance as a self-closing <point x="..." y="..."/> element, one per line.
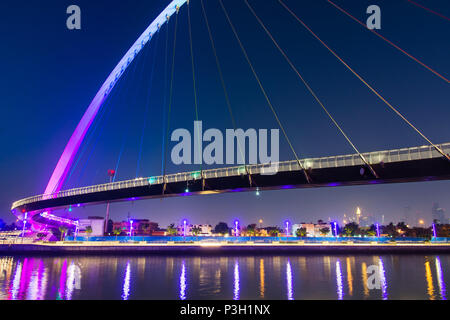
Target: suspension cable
<point x="147" y="105"/>
<point x="124" y="91"/>
<point x="163" y="143"/>
<point x="390" y="42"/>
<point x="310" y="89"/>
<point x="264" y="91"/>
<point x="428" y="9"/>
<point x="365" y="82"/>
<point x="170" y="95"/>
<point x="194" y="84"/>
<point x="126" y="133"/>
<point x="222" y="81"/>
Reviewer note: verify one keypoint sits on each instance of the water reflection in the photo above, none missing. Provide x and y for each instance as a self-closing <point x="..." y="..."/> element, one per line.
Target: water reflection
<point x="261" y="278"/>
<point x="429" y="278"/>
<point x="440" y="278"/>
<point x="159" y="277"/>
<point x="339" y="286"/>
<point x="16" y="282"/>
<point x="290" y="292"/>
<point x="237" y="288"/>
<point x="364" y="279"/>
<point x="62" y="281"/>
<point x="183" y="281"/>
<point x="73" y="280"/>
<point x="126" y="282"/>
<point x="383" y="279"/>
<point x="349" y="277"/>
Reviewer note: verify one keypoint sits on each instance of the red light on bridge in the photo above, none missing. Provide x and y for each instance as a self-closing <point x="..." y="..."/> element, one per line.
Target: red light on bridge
<point x="111" y="173"/>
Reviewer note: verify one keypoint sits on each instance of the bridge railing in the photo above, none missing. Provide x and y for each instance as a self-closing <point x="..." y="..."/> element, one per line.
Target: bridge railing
<point x="377" y="157"/>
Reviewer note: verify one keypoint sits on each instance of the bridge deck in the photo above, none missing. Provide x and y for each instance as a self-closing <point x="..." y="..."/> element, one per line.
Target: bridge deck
<point x="399" y="165"/>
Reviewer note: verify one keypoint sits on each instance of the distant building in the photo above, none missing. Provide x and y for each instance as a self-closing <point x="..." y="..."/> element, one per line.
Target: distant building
<point x="141" y="227"/>
<point x="312" y="229"/>
<point x="96" y="224"/>
<point x="205" y="230"/>
<point x="438" y="214"/>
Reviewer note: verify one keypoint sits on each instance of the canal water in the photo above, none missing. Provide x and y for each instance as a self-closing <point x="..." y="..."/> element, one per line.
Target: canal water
<point x="226" y="277"/>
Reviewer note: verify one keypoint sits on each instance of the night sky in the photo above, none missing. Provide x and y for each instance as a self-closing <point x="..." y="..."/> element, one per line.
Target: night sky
<point x="50" y="74"/>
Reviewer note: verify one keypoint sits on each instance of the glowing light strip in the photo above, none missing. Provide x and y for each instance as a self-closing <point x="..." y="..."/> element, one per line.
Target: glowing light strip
<point x="390" y="42"/>
<point x="62" y="168"/>
<point x="58" y="219"/>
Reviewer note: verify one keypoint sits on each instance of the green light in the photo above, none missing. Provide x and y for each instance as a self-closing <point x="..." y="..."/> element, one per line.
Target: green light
<point x="196" y="174"/>
<point x="241" y="170"/>
<point x="152" y="180"/>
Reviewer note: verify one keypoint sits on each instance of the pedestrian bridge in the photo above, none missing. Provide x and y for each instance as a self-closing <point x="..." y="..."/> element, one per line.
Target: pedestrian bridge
<point x="423" y="163"/>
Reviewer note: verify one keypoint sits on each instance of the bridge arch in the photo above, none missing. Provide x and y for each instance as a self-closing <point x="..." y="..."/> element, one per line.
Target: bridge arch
<point x="63" y="166"/>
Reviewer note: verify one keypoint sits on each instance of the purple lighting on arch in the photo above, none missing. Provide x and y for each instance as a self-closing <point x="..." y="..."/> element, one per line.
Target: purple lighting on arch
<point x="62" y="168"/>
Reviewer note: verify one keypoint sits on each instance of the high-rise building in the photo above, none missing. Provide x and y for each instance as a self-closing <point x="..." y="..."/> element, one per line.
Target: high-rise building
<point x="358" y="215"/>
<point x="438" y="214"/>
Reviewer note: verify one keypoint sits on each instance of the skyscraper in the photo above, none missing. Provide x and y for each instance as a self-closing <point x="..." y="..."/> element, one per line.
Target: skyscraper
<point x="438" y="214"/>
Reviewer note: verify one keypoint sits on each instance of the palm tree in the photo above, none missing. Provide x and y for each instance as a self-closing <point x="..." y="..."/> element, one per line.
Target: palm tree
<point x="171" y="230"/>
<point x="63" y="231"/>
<point x="117" y="232"/>
<point x="88" y="231"/>
<point x="324" y="231"/>
<point x="196" y="230"/>
<point x="300" y="232"/>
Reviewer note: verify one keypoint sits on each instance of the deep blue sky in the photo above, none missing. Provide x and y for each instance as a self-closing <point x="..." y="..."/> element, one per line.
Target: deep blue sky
<point x="50" y="74"/>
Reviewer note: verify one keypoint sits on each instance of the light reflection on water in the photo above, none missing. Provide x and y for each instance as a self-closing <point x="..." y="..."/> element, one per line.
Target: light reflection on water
<point x="237" y="284"/>
<point x="241" y="277"/>
<point x="339" y="286"/>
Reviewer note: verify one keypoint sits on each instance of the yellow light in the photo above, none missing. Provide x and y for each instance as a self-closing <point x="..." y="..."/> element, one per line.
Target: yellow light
<point x="421" y="221"/>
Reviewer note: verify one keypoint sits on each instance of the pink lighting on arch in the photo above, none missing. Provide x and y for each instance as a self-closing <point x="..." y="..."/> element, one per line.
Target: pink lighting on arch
<point x="65" y="162"/>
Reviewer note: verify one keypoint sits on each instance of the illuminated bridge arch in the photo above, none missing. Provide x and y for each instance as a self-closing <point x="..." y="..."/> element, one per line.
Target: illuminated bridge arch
<point x="64" y="164"/>
<point x="62" y="168"/>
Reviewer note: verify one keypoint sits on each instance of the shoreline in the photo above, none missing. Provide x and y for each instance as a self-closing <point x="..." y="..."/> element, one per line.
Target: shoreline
<point x="219" y="248"/>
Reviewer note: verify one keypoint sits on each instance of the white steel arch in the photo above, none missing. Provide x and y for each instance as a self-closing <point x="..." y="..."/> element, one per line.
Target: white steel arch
<point x="62" y="168"/>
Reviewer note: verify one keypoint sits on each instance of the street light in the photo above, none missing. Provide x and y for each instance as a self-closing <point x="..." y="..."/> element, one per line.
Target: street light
<point x="131" y="228"/>
<point x="111" y="175"/>
<point x="236" y="225"/>
<point x="184" y="228"/>
<point x="287" y="228"/>
<point x="24" y="224"/>
<point x="77" y="228"/>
